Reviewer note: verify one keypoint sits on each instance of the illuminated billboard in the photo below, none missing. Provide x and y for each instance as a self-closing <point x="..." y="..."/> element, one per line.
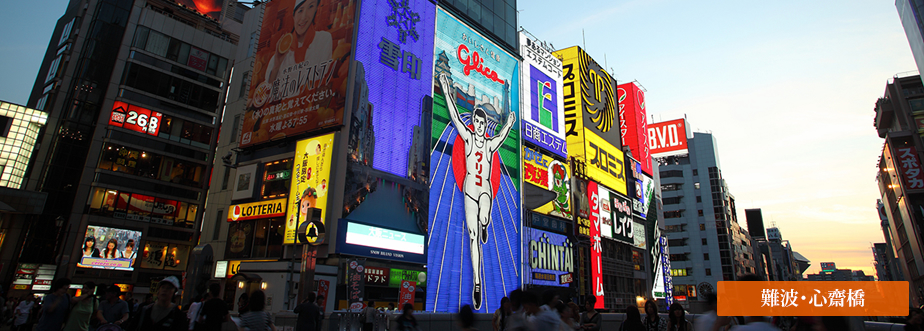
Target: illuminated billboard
<point x="210" y="8"/>
<point x="257" y="210"/>
<point x="591" y="119"/>
<point x="641" y="189"/>
<point x="135" y="118"/>
<point x="550" y="259"/>
<point x="300" y="72"/>
<point x="543" y="110"/>
<point x="550" y="174"/>
<point x="668" y="138"/>
<point x="378" y="242"/>
<point x="474" y="249"/>
<point x="109" y="248"/>
<point x="310" y="176"/>
<point x="828" y="266"/>
<point x="632" y="122"/>
<point x="622" y="220"/>
<point x="596" y="247"/>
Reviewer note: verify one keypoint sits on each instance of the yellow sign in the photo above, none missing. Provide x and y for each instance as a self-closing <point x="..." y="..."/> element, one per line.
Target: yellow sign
<point x="257" y="210"/>
<point x="551" y="174"/>
<point x="310" y="176"/>
<point x="587" y="96"/>
<point x="233" y="268"/>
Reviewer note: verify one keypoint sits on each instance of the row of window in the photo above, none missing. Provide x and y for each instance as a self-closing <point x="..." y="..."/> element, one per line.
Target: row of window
<point x="150" y="165"/>
<point x="170" y="87"/>
<point x="178" y="51"/>
<point x="141" y="207"/>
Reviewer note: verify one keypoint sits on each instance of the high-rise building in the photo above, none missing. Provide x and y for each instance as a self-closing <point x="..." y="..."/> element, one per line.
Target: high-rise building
<point x="901" y="177"/>
<point x="909" y="11"/>
<point x="705" y="241"/>
<point x="886" y="263"/>
<point x="134" y="93"/>
<point x="840" y="275"/>
<point x="19" y="129"/>
<point x="775" y="258"/>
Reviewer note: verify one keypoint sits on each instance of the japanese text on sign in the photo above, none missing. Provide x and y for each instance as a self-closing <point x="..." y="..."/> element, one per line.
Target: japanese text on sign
<point x="911" y="168"/>
<point x="812" y="298"/>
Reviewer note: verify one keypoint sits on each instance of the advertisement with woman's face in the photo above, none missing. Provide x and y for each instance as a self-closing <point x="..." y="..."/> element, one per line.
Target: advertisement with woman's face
<point x="109" y="248"/>
<point x="300" y="72"/>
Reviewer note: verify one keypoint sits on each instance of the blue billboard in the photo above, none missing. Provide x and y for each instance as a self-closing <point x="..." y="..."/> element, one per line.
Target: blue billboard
<point x="388" y="142"/>
<point x="473" y="254"/>
<point x="550" y="259"/>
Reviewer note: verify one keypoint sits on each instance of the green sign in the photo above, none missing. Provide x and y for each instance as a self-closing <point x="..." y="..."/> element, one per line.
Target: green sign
<point x="397" y="275"/>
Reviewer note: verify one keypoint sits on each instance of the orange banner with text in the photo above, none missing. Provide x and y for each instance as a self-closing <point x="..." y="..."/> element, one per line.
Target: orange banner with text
<point x="812" y="298"/>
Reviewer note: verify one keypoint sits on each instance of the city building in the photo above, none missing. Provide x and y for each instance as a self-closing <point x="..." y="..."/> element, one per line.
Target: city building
<point x="134" y="94"/>
<point x="19" y="129"/>
<point x="886" y="263"/>
<point x="839" y="275"/>
<point x="705" y="242"/>
<point x="899" y="175"/>
<point x="909" y="12"/>
<point x="779" y="260"/>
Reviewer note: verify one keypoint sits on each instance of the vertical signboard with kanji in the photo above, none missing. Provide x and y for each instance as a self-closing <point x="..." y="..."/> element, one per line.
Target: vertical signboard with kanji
<point x="323" y="290"/>
<point x="908" y="163"/>
<point x="622" y="220"/>
<point x="596" y="247"/>
<point x="666" y="271"/>
<point x="356" y="283"/>
<point x="632" y="123"/>
<point x="406" y="293"/>
<point x="310" y="175"/>
<point x="543" y="116"/>
<point x="474" y="251"/>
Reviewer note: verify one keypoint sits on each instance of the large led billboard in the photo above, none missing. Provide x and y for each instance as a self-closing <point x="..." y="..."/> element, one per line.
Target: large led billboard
<point x="668" y="138"/>
<point x="591" y="119"/>
<point x="543" y="110"/>
<point x="109" y="248"/>
<point x="549" y="174"/>
<point x="632" y="123"/>
<point x="300" y="72"/>
<point x="378" y="242"/>
<point x="550" y="259"/>
<point x="310" y="176"/>
<point x="473" y="254"/>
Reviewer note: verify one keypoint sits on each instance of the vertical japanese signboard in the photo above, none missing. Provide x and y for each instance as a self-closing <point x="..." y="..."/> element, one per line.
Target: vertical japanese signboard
<point x="596" y="247"/>
<point x="543" y="116"/>
<point x="606" y="212"/>
<point x="622" y="220"/>
<point x="582" y="207"/>
<point x="323" y="290"/>
<point x="666" y="271"/>
<point x="632" y="123"/>
<point x="591" y="119"/>
<point x="668" y="138"/>
<point x="356" y="283"/>
<point x="311" y="173"/>
<point x="406" y="292"/>
<point x="550" y="174"/>
<point x="474" y="248"/>
<point x="300" y="72"/>
<point x="908" y="163"/>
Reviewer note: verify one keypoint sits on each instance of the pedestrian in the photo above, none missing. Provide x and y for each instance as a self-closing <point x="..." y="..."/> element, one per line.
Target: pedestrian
<point x="163" y="314"/>
<point x="368" y="316"/>
<point x="677" y="320"/>
<point x="633" y="320"/>
<point x="705" y="320"/>
<point x="517" y="319"/>
<point x="255" y="319"/>
<point x="321" y="309"/>
<point x="308" y="316"/>
<point x="547" y="317"/>
<point x="915" y="320"/>
<point x="194" y="309"/>
<point x="242" y="304"/>
<point x="567" y="317"/>
<point x="214" y="311"/>
<point x="84" y="309"/>
<point x="114" y="310"/>
<point x="467" y="318"/>
<point x="653" y="322"/>
<point x="407" y="322"/>
<point x="591" y="319"/>
<point x="21" y="314"/>
<point x="500" y="315"/>
<point x="55" y="306"/>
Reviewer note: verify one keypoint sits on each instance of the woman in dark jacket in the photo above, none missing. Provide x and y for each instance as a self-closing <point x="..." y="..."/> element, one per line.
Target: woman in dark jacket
<point x="633" y="320"/>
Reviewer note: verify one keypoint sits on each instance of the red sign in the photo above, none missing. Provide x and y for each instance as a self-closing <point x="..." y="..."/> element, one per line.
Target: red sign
<point x="680" y="297"/>
<point x="632" y="123"/>
<point x="323" y="290"/>
<point x="356" y="282"/>
<point x="135" y="118"/>
<point x="197" y="58"/>
<point x="596" y="249"/>
<point x="910" y="166"/>
<point x="408" y="288"/>
<point x="148" y="204"/>
<point x="376" y="276"/>
<point x="668" y="138"/>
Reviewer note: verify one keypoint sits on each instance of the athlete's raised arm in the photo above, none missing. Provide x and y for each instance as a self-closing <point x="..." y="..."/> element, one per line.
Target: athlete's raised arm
<point x="453" y="110"/>
<point x="495" y="142"/>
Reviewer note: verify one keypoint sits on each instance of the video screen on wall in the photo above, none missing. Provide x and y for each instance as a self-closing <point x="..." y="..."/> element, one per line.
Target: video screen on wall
<point x="109" y="248"/>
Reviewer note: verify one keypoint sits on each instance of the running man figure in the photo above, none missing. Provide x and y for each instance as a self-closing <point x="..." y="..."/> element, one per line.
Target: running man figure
<point x="479" y="153"/>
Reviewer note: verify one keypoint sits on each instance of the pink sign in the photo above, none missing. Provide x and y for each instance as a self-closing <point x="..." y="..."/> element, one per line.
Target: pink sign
<point x="910" y="167"/>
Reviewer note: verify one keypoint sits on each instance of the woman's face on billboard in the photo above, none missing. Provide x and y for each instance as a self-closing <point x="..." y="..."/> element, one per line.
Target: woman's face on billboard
<point x="304" y="16"/>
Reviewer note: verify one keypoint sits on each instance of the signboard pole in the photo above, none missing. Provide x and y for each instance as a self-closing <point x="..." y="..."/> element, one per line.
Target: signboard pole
<point x="306" y="272"/>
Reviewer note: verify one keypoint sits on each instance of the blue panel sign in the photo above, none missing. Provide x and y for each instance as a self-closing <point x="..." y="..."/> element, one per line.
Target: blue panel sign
<point x="381" y="243"/>
<point x="550" y="259"/>
<point x="474" y="248"/>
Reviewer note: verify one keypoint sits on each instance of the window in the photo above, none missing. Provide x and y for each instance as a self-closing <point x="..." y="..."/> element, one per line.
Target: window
<point x="245" y="85"/>
<point x="702" y="227"/>
<point x="671" y="187"/>
<point x="675" y="228"/>
<point x="699" y="212"/>
<point x="220" y="218"/>
<point x="679" y="273"/>
<point x="66" y="32"/>
<point x="695" y="172"/>
<point x="234" y="127"/>
<point x="676" y="242"/>
<point x="671" y="173"/>
<point x="671" y="201"/>
<point x="678" y="257"/>
<point x="150" y="165"/>
<point x="699" y="199"/>
<point x="705" y="242"/>
<point x="696" y="185"/>
<point x="225" y="179"/>
<point x="53" y="68"/>
<point x="706" y="256"/>
<point x="255" y="238"/>
<point x="708" y="272"/>
<point x="5" y="124"/>
<point x="673" y="214"/>
<point x="140" y="207"/>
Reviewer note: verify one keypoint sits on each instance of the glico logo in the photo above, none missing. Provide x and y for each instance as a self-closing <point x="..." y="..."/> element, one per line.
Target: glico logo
<point x="476" y="62"/>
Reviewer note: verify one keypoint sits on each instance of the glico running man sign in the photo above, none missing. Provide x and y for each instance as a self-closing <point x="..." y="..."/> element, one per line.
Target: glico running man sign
<point x="475" y="167"/>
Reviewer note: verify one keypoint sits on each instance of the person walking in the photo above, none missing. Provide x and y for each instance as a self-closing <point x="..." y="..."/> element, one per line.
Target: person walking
<point x="195" y="308"/>
<point x="915" y="320"/>
<point x="369" y="316"/>
<point x="591" y="319"/>
<point x="677" y="320"/>
<point x="308" y="314"/>
<point x="55" y="306"/>
<point x="653" y="322"/>
<point x="85" y="309"/>
<point x="163" y="314"/>
<point x="255" y="319"/>
<point x="407" y="321"/>
<point x="705" y="320"/>
<point x="214" y="311"/>
<point x="500" y="315"/>
<point x="567" y="317"/>
<point x="467" y="318"/>
<point x="21" y="314"/>
<point x="114" y="310"/>
<point x="633" y="320"/>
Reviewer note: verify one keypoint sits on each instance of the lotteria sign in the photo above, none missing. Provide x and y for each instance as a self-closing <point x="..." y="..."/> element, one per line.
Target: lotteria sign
<point x="257" y="210"/>
<point x="551" y="259"/>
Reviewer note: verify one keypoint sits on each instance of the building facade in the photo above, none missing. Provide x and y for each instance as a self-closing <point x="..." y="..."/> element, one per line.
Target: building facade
<point x="909" y="12"/>
<point x="134" y="93"/>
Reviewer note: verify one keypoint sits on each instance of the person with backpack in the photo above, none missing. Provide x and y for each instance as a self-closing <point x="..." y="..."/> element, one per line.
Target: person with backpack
<point x="55" y="306"/>
<point x="84" y="309"/>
